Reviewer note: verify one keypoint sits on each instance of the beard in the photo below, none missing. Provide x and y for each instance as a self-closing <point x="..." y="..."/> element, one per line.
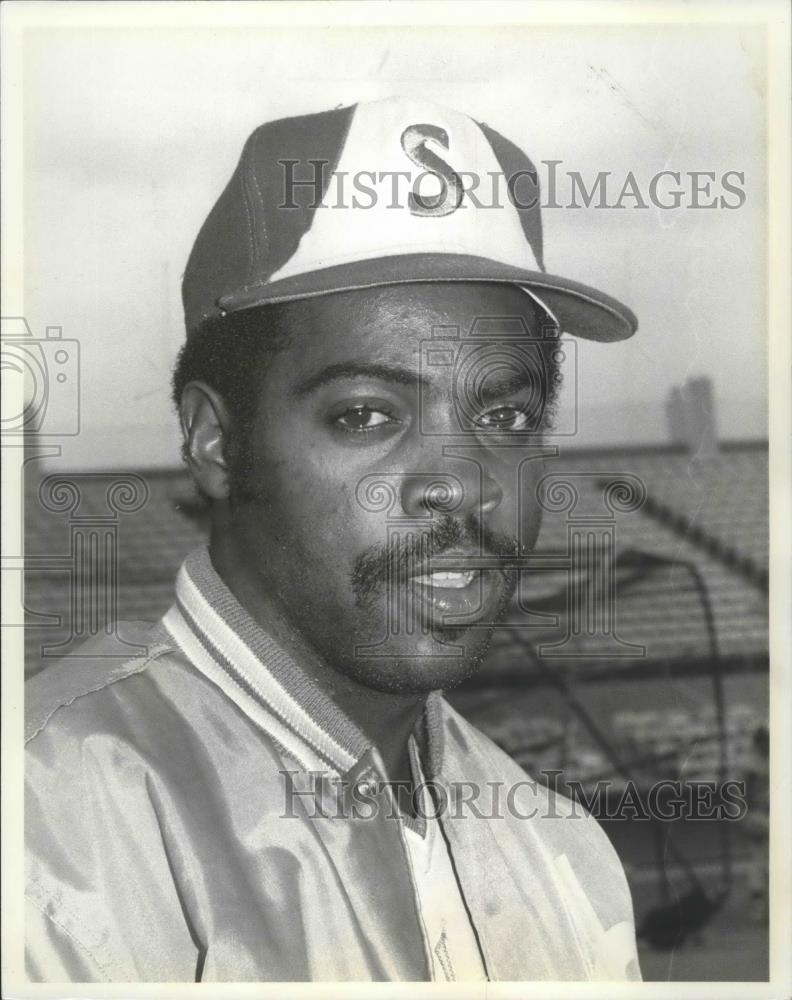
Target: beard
<point x="384" y="568"/>
<point x="435" y="653"/>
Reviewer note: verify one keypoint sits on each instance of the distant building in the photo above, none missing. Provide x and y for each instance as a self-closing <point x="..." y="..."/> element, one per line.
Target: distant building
<point x="675" y="416"/>
<point x="690" y="414"/>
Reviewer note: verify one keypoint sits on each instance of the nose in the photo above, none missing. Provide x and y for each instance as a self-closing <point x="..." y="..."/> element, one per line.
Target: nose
<point x="470" y="489"/>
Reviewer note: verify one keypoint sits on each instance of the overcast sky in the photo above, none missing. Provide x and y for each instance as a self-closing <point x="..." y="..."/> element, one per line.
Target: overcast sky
<point x="131" y="135"/>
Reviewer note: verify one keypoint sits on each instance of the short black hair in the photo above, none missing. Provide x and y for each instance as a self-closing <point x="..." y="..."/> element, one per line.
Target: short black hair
<point x="230" y="353"/>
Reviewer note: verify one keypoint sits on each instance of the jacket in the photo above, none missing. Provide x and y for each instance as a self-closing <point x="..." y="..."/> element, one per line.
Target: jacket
<point x="197" y="809"/>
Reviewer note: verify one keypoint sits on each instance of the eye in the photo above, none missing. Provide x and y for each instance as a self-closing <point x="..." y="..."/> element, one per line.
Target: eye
<point x="505" y="418"/>
<point x="364" y="418"/>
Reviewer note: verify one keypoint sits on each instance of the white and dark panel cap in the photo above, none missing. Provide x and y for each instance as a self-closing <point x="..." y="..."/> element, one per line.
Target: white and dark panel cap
<point x="387" y="192"/>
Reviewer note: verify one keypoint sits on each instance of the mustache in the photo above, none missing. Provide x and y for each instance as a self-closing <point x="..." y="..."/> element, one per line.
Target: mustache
<point x="410" y="554"/>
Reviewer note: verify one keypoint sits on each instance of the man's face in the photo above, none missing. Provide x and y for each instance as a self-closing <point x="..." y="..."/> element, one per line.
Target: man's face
<point x="384" y="466"/>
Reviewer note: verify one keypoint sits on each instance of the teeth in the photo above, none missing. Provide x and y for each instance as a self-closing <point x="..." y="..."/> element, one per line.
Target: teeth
<point x="450" y="579"/>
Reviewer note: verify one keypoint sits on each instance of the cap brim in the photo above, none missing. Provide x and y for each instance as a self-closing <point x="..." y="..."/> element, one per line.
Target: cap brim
<point x="581" y="311"/>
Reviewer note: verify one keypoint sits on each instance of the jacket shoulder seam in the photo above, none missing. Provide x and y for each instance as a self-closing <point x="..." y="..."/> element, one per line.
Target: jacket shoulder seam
<point x="154" y="654"/>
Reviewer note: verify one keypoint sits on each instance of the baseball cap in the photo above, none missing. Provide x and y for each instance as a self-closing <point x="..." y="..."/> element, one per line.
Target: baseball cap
<point x="380" y="193"/>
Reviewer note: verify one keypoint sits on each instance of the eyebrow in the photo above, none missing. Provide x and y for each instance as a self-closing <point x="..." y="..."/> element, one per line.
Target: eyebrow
<point x="507" y="384"/>
<point x="355" y="370"/>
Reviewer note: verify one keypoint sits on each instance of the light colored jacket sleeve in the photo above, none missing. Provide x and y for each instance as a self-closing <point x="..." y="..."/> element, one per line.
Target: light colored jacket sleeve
<point x="102" y="899"/>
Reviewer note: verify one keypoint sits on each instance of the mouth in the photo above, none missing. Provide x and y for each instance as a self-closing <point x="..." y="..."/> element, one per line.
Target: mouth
<point x="424" y="591"/>
<point x="456" y="596"/>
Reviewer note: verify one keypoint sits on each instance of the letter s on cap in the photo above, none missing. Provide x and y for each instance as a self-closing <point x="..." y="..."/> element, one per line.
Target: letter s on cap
<point x="413" y="141"/>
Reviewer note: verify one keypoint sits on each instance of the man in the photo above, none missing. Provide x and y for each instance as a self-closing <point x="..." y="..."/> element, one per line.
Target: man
<point x="277" y="790"/>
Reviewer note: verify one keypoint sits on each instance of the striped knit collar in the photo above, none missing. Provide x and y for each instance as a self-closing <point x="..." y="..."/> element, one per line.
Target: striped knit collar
<point x="261" y="671"/>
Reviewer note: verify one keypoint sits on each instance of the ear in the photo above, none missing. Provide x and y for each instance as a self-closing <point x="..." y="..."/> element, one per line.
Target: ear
<point x="206" y="424"/>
